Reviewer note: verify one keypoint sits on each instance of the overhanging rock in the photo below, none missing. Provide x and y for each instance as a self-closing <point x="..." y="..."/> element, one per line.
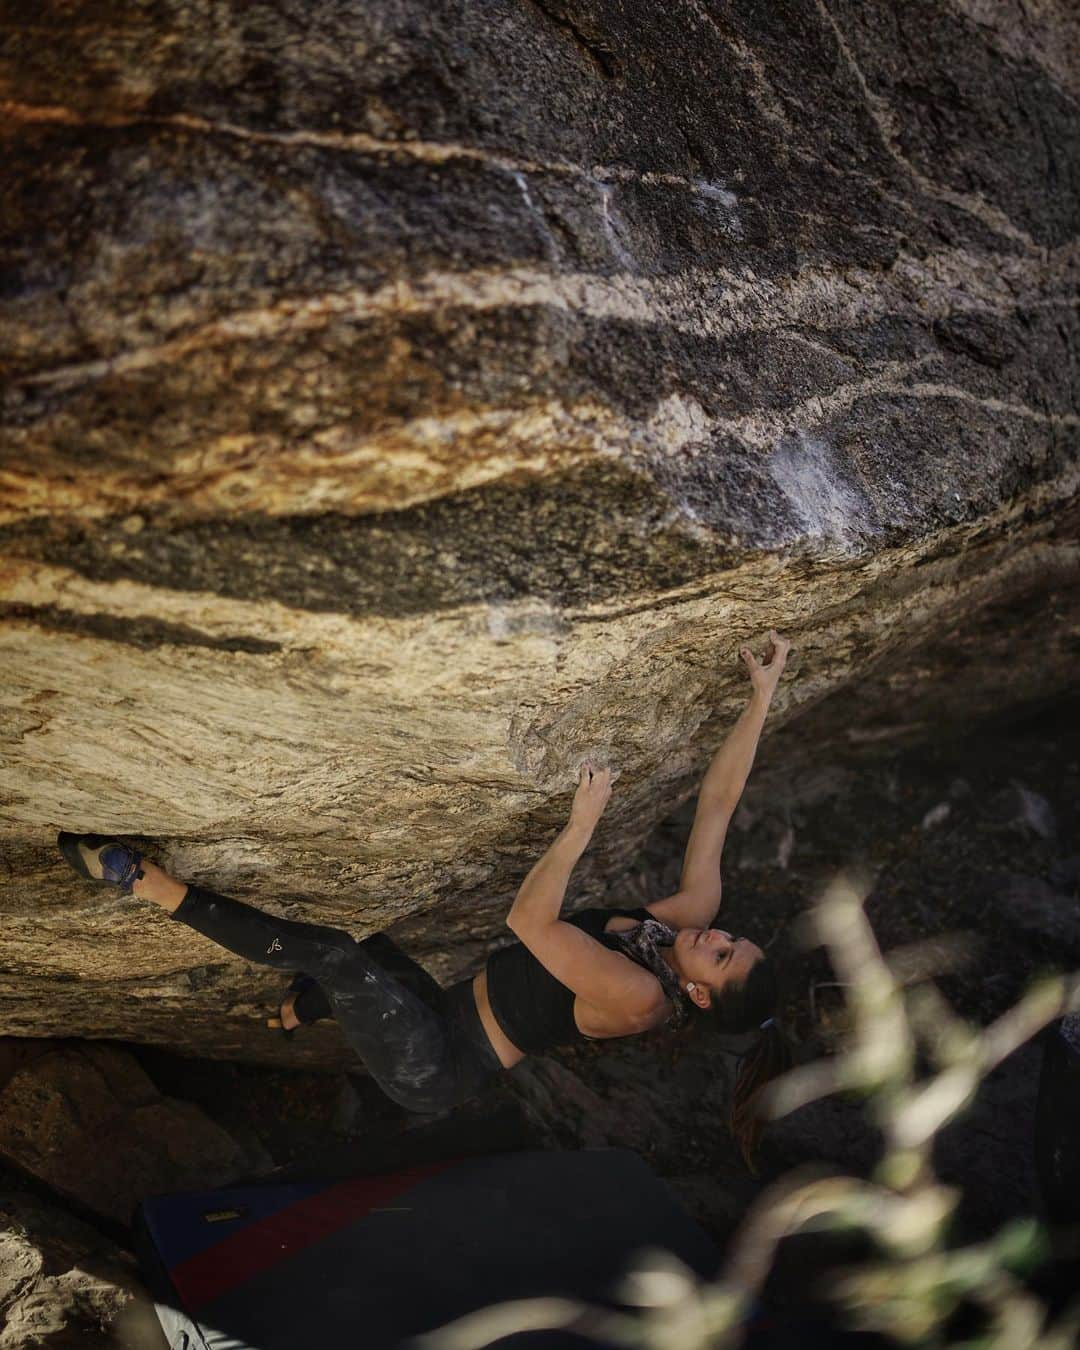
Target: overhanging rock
<point x="407" y="400"/>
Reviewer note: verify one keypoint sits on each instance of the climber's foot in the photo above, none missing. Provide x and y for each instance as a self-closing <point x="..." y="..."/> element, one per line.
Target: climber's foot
<point x="99" y="858"/>
<point x="304" y="1002"/>
<point x="287" y="1019"/>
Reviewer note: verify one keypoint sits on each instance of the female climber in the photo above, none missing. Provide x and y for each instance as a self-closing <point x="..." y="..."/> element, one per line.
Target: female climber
<point x="593" y="975"/>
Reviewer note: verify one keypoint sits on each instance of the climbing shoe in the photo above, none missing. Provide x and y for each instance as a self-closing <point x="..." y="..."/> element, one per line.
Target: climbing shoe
<point x="99" y="858"/>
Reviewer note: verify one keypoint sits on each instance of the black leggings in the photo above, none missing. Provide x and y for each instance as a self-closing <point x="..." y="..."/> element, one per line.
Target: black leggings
<point x="426" y="1048"/>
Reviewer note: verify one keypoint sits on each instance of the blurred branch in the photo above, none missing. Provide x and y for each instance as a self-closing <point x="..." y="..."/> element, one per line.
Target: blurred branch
<point x="537" y="1314"/>
<point x="943" y="954"/>
<point x="881" y="1052"/>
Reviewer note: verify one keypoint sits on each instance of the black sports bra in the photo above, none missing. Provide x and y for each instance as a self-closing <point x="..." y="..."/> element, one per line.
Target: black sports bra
<point x="533" y="1008"/>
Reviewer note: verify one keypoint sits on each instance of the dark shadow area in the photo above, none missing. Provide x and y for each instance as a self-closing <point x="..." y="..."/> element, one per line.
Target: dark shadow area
<point x="388" y="1257"/>
<point x="971" y="839"/>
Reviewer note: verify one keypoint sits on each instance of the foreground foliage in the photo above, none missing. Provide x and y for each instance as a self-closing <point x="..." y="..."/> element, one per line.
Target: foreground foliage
<point x="914" y="1285"/>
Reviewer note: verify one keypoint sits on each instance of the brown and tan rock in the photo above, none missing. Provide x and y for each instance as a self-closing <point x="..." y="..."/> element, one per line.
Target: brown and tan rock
<point x="62" y="1284"/>
<point x="89" y="1123"/>
<point x="404" y="400"/>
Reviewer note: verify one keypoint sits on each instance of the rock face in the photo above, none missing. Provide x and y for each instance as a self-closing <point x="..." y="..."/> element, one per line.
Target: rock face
<point x="89" y="1123"/>
<point x="63" y="1285"/>
<point x="405" y="400"/>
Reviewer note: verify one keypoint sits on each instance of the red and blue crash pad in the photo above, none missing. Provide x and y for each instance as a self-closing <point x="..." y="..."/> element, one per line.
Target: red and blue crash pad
<point x="374" y="1261"/>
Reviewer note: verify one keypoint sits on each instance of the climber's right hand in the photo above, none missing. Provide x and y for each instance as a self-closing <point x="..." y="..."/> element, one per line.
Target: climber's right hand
<point x="592" y="795"/>
<point x="765" y="674"/>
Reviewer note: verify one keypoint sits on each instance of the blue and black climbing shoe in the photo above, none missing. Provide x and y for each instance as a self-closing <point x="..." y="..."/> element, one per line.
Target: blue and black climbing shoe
<point x="99" y="858"/>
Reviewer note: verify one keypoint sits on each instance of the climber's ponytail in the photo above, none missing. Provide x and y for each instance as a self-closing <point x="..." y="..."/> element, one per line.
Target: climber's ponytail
<point x="750" y="1006"/>
<point x="767" y="1058"/>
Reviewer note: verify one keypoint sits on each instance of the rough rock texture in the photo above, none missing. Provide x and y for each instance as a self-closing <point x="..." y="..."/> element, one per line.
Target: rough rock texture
<point x="64" y="1285"/>
<point x="405" y="399"/>
<point x="666" y="1095"/>
<point x="89" y="1123"/>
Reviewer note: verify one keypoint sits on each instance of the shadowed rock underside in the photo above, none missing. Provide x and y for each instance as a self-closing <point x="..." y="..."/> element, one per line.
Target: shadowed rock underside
<point x="404" y="400"/>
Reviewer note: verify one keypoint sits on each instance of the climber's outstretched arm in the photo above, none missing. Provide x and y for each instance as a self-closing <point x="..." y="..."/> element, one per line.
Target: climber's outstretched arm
<point x="601" y="977"/>
<point x="698" y="899"/>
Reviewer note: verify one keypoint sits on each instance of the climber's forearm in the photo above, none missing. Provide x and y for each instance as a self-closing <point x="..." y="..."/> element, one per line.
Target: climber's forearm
<point x="726" y="776"/>
<point x="540" y="898"/>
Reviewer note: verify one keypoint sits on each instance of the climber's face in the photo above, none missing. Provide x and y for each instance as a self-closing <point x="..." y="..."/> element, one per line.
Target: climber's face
<point x="710" y="958"/>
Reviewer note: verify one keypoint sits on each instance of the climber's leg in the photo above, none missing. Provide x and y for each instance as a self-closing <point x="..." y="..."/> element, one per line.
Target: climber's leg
<point x="408" y="1047"/>
<point x="155" y="884"/>
<point x="415" y="1052"/>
